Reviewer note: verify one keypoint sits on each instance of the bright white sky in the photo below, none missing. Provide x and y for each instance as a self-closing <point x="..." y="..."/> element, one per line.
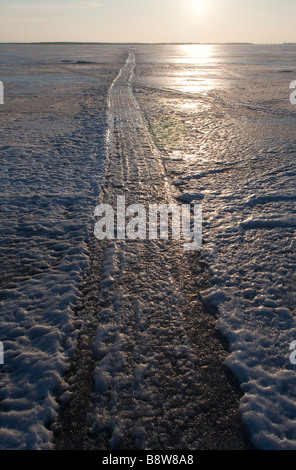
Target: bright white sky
<point x="259" y="21"/>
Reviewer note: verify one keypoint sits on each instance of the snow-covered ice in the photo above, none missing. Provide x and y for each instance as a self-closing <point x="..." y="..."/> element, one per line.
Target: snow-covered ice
<point x="221" y="134"/>
<point x="239" y="155"/>
<point x="52" y="135"/>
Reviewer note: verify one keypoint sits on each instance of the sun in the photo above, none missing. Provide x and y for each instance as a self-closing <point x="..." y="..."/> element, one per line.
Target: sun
<point x="197" y="5"/>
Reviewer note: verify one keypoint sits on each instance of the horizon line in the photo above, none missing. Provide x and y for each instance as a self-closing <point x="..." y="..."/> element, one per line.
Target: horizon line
<point x="142" y="43"/>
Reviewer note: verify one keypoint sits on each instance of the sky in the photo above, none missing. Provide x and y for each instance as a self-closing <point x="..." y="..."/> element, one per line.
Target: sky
<point x="197" y="21"/>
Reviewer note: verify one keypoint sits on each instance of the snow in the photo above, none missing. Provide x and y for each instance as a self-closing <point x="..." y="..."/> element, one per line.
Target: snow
<point x="53" y="128"/>
<point x="237" y="158"/>
<point x="243" y="166"/>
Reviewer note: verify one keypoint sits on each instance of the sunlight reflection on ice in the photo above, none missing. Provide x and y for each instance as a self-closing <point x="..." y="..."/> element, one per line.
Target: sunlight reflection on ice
<point x="194" y="85"/>
<point x="201" y="54"/>
<point x="195" y="79"/>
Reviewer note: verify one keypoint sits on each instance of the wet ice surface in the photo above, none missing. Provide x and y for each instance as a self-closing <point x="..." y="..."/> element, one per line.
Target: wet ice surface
<point x="237" y="154"/>
<point x="152" y="375"/>
<point x="222" y="120"/>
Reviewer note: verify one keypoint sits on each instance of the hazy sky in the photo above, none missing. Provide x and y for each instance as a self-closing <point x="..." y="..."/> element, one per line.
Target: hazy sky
<point x="259" y="21"/>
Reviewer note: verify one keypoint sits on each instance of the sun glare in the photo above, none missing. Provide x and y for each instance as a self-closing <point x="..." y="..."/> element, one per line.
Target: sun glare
<point x="197" y="5"/>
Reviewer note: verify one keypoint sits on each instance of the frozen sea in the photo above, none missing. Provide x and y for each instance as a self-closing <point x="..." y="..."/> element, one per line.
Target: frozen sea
<point x="182" y="123"/>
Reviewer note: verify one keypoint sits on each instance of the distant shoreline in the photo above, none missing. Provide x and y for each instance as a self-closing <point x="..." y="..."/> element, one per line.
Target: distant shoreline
<point x="124" y="43"/>
<point x="69" y="43"/>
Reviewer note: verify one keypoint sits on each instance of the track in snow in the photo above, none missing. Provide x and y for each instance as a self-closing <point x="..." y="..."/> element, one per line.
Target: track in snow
<point x="157" y="362"/>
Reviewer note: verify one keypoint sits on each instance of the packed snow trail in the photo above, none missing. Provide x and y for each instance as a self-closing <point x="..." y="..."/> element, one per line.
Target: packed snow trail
<point x="159" y="377"/>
